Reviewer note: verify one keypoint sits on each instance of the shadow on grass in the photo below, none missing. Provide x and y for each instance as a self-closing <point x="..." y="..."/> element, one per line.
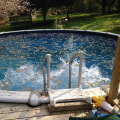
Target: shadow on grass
<point x="34" y="25"/>
<point x="82" y="22"/>
<point x="40" y="24"/>
<point x="115" y="30"/>
<point x="96" y="22"/>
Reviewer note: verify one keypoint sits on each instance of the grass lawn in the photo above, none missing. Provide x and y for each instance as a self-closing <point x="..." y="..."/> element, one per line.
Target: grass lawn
<point x="96" y="22"/>
<point x="107" y="23"/>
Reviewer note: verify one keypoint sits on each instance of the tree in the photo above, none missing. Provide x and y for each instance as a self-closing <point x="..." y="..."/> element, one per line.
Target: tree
<point x="79" y="6"/>
<point x="42" y="5"/>
<point x="3" y="12"/>
<point x="103" y="6"/>
<point x="68" y="4"/>
<point x="44" y="8"/>
<point x="10" y="8"/>
<point x="118" y="5"/>
<point x="60" y="3"/>
<point x="110" y="5"/>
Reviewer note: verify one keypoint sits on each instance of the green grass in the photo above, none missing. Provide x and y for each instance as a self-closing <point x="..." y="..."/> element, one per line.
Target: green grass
<point x="85" y="21"/>
<point x="106" y="23"/>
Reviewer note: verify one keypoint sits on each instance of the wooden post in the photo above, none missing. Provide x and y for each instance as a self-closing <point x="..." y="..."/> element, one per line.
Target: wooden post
<point x="115" y="80"/>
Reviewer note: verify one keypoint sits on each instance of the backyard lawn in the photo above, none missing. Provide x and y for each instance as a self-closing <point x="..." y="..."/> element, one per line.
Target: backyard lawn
<point x="96" y="22"/>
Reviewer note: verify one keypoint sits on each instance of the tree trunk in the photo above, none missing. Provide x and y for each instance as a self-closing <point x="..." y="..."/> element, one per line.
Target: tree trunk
<point x="44" y="14"/>
<point x="103" y="7"/>
<point x="109" y="8"/>
<point x="110" y="5"/>
<point x="118" y="6"/>
<point x="68" y="13"/>
<point x="44" y="18"/>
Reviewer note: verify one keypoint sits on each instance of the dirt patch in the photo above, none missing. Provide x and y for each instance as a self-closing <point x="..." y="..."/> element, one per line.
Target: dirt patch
<point x="2" y="22"/>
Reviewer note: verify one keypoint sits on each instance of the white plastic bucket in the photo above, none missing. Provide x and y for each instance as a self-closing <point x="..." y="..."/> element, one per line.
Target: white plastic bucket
<point x="105" y="105"/>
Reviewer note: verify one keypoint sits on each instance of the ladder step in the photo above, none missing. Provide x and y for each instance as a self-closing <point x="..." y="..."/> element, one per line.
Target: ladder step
<point x="74" y="94"/>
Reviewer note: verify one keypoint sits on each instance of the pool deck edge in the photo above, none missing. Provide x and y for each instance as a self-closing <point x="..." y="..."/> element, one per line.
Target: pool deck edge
<point x="23" y="111"/>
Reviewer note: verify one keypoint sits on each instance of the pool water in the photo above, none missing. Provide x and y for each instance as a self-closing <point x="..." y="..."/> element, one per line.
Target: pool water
<point x="22" y="54"/>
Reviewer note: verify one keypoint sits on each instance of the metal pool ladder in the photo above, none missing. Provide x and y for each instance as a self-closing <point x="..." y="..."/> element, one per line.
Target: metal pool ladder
<point x="80" y="54"/>
<point x="48" y="58"/>
<point x="65" y="95"/>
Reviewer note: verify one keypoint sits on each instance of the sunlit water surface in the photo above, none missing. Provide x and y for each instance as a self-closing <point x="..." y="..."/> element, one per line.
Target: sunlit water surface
<point x="21" y="59"/>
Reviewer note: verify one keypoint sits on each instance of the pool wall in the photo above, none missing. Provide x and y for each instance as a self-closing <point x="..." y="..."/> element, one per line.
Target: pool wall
<point x="88" y="32"/>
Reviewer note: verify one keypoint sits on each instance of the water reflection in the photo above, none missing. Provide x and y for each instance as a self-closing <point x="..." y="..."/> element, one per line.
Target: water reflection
<point x="27" y="77"/>
<point x="21" y="59"/>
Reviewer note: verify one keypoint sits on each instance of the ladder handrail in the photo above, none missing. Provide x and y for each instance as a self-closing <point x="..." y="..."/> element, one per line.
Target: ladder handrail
<point x="48" y="58"/>
<point x="80" y="54"/>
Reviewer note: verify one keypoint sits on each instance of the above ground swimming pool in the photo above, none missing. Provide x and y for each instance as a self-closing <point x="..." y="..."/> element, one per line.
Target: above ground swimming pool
<point x="22" y="54"/>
